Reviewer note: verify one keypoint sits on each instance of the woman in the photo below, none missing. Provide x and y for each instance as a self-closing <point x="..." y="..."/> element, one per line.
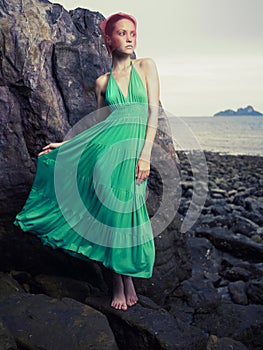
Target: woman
<point x="95" y="207"/>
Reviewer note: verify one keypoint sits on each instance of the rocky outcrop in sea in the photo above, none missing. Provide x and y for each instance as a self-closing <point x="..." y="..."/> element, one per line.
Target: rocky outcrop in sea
<point x="247" y="111"/>
<point x="206" y="290"/>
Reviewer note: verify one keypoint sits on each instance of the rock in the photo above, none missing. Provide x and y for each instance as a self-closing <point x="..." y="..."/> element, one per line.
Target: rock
<point x="215" y="343"/>
<point x="220" y="209"/>
<point x="255" y="291"/>
<point x="238" y="292"/>
<point x="147" y="326"/>
<point x="47" y="84"/>
<point x="172" y="265"/>
<point x="60" y="287"/>
<point x="252" y="204"/>
<point x="238" y="245"/>
<point x="238" y="322"/>
<point x="244" y="226"/>
<point x="200" y="295"/>
<point x="8" y="284"/>
<point x="7" y="341"/>
<point x="236" y="273"/>
<point x="218" y="193"/>
<point x="206" y="262"/>
<point x="30" y="317"/>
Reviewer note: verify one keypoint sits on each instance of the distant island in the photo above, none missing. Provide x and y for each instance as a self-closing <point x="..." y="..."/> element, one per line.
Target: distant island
<point x="247" y="111"/>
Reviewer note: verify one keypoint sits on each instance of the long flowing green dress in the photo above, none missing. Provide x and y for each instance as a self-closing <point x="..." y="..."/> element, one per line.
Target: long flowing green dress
<point x="85" y="199"/>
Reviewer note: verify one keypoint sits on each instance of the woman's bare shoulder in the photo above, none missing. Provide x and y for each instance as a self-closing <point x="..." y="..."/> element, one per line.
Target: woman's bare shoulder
<point x="145" y="65"/>
<point x="102" y="81"/>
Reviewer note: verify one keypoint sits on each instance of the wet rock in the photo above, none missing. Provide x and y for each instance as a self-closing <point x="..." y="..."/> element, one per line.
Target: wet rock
<point x="255" y="292"/>
<point x="200" y="295"/>
<point x="60" y="287"/>
<point x="252" y="204"/>
<point x="206" y="262"/>
<point x="238" y="292"/>
<point x="48" y="72"/>
<point x="216" y="343"/>
<point x="30" y="317"/>
<point x="245" y="226"/>
<point x="238" y="245"/>
<point x="7" y="341"/>
<point x="236" y="273"/>
<point x="172" y="264"/>
<point x="238" y="322"/>
<point x="147" y="326"/>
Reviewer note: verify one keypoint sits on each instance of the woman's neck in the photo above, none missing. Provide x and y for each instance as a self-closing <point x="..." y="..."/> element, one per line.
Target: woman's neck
<point x="121" y="63"/>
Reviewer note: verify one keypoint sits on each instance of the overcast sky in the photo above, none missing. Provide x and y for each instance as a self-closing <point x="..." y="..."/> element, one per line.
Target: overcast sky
<point x="209" y="53"/>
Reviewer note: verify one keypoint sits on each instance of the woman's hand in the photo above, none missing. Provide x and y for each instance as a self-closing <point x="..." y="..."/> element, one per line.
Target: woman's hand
<point x="142" y="170"/>
<point x="48" y="148"/>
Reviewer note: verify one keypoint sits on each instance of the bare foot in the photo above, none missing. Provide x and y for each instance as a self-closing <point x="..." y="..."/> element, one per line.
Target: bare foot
<point x="118" y="299"/>
<point x="129" y="290"/>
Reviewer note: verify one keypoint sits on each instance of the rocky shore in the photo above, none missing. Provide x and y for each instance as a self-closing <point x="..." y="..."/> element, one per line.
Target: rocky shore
<point x="218" y="307"/>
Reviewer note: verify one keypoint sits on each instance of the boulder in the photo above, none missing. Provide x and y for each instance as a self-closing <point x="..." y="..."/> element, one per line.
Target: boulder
<point x="216" y="343"/>
<point x="30" y="317"/>
<point x="238" y="322"/>
<point x="148" y="326"/>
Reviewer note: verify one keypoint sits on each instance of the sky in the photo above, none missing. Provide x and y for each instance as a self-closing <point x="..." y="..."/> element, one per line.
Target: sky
<point x="209" y="53"/>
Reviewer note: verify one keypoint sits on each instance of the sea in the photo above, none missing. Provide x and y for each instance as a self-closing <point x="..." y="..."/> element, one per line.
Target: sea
<point x="227" y="135"/>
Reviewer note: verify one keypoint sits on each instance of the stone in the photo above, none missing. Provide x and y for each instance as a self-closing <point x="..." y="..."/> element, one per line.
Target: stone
<point x="239" y="245"/>
<point x="255" y="291"/>
<point x="46" y="84"/>
<point x="236" y="273"/>
<point x="206" y="261"/>
<point x="244" y="226"/>
<point x="7" y="341"/>
<point x="238" y="292"/>
<point x="238" y="322"/>
<point x="148" y="326"/>
<point x="172" y="264"/>
<point x="29" y="318"/>
<point x="215" y="343"/>
<point x="200" y="295"/>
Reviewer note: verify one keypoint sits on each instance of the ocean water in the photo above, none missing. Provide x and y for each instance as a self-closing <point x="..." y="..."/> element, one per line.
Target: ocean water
<point x="232" y="135"/>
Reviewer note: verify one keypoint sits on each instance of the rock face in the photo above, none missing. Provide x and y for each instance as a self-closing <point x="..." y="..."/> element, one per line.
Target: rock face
<point x="47" y="75"/>
<point x="30" y="317"/>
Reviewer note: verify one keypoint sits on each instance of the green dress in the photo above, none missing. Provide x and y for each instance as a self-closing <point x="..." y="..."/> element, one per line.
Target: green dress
<point x="84" y="198"/>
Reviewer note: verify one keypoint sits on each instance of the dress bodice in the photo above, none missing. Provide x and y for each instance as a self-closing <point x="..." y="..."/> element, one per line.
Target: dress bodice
<point x="136" y="90"/>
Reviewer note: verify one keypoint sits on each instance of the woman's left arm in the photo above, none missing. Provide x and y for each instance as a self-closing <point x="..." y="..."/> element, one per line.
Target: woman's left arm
<point x="153" y="91"/>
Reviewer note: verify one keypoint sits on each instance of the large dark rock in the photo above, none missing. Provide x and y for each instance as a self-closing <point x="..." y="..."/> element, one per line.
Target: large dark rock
<point x="241" y="323"/>
<point x="41" y="322"/>
<point x="239" y="245"/>
<point x="148" y="326"/>
<point x="47" y="76"/>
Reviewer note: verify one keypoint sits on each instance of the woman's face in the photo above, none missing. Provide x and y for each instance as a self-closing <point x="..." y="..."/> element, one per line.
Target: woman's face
<point x="123" y="37"/>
